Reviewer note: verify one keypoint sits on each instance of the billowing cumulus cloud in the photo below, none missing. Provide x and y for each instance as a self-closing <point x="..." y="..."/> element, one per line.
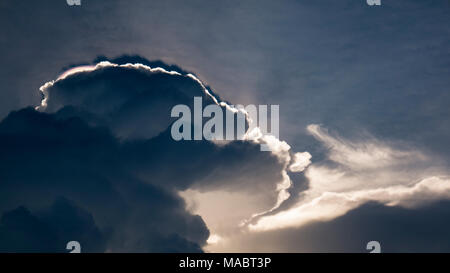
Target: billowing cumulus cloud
<point x="134" y="100"/>
<point x="101" y="139"/>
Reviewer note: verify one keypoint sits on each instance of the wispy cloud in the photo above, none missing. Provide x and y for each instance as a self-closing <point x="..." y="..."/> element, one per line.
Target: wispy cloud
<point x="359" y="172"/>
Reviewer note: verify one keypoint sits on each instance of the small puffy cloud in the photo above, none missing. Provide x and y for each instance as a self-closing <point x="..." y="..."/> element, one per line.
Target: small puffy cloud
<point x="300" y="162"/>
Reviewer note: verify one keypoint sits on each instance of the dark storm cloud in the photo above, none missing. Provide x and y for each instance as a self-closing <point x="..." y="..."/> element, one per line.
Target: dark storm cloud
<point x="44" y="157"/>
<point x="87" y="149"/>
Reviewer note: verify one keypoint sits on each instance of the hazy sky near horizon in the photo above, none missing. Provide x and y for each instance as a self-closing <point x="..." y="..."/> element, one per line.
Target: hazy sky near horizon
<point x="363" y="89"/>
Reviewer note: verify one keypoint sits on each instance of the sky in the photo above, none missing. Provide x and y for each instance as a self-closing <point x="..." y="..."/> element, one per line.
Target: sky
<point x="364" y="146"/>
